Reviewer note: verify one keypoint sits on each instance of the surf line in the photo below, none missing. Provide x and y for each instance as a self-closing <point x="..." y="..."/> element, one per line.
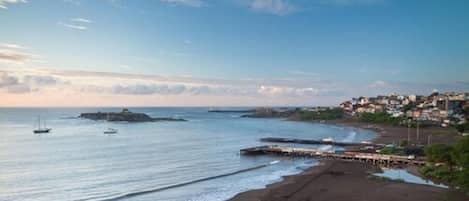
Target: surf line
<point x="133" y="194"/>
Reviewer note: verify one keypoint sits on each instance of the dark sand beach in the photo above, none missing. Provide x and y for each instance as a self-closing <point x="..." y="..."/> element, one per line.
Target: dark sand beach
<point x="343" y="181"/>
<point x="349" y="181"/>
<point x="393" y="134"/>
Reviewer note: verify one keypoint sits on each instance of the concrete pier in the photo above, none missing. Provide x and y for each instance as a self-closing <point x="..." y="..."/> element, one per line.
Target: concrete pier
<point x="350" y="156"/>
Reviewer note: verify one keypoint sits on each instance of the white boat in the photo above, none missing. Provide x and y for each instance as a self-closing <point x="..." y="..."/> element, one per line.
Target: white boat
<point x="40" y="129"/>
<point x="109" y="130"/>
<point x="329" y="139"/>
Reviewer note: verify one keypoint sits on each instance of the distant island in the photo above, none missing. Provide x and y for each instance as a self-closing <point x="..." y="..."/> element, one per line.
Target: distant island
<point x="125" y="115"/>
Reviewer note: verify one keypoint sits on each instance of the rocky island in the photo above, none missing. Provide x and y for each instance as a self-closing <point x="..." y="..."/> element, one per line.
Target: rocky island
<point x="125" y="115"/>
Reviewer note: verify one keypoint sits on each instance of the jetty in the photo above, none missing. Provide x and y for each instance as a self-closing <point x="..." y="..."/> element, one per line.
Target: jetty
<point x="318" y="142"/>
<point x="378" y="159"/>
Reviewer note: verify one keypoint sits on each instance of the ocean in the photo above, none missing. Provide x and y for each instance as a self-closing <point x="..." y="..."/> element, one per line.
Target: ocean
<point x="157" y="161"/>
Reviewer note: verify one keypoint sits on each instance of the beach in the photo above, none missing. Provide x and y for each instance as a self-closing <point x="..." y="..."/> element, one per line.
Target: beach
<point x="335" y="180"/>
<point x="342" y="180"/>
<point x="393" y="134"/>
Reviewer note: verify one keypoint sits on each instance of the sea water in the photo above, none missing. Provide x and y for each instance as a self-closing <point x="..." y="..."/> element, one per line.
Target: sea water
<point x="76" y="161"/>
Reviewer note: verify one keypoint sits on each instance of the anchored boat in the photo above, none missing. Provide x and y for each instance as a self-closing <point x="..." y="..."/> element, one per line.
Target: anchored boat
<point x="40" y="129"/>
<point x="109" y="130"/>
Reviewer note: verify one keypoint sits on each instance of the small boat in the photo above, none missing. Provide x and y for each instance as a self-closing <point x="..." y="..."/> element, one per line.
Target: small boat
<point x="110" y="131"/>
<point x="40" y="130"/>
<point x="329" y="139"/>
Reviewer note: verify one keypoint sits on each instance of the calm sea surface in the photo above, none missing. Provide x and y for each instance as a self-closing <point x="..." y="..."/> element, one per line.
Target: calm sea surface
<point x="76" y="161"/>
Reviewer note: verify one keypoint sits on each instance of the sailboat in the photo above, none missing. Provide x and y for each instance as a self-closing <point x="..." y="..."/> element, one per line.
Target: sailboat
<point x="109" y="130"/>
<point x="40" y="130"/>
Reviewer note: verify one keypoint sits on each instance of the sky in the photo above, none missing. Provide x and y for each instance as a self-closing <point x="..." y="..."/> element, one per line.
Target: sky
<point x="228" y="52"/>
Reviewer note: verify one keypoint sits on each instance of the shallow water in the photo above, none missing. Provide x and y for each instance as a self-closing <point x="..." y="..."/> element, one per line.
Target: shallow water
<point x="402" y="174"/>
<point x="78" y="162"/>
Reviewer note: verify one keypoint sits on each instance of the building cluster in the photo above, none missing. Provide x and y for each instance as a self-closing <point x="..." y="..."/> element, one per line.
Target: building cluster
<point x="442" y="108"/>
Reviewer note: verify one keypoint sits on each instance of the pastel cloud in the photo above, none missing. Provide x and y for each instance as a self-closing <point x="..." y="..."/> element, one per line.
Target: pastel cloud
<point x="27" y="83"/>
<point x="12" y="46"/>
<point x="14" y="56"/>
<point x="84" y="88"/>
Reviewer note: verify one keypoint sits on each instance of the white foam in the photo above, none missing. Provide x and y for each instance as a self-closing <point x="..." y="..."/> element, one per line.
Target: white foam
<point x="229" y="190"/>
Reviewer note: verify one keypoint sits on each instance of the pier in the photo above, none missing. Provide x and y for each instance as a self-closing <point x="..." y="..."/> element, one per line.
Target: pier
<point x="378" y="159"/>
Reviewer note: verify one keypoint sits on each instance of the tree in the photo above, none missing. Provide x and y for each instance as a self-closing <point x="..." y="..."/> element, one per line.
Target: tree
<point x="461" y="157"/>
<point x="463" y="127"/>
<point x="441" y="153"/>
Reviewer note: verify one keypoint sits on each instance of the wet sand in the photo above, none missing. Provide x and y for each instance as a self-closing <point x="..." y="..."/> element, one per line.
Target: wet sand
<point x="342" y="181"/>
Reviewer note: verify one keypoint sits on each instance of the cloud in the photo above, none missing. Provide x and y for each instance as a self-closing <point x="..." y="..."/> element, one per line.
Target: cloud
<point x="27" y="83"/>
<point x="145" y="89"/>
<point x="77" y="24"/>
<point x="81" y="20"/>
<point x="13" y="56"/>
<point x="73" y="26"/>
<point x="41" y="80"/>
<point x="287" y="91"/>
<point x="190" y="3"/>
<point x="7" y="80"/>
<point x="12" y="46"/>
<point x="4" y="2"/>
<point x="105" y="88"/>
<point x="276" y="7"/>
<point x="19" y="89"/>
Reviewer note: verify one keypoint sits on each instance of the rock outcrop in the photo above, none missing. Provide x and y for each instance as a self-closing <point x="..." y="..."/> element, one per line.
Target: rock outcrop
<point x="271" y="113"/>
<point x="125" y="115"/>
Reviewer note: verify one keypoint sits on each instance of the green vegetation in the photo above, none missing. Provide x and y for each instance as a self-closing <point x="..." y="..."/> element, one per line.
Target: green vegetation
<point x="440" y="153"/>
<point x="440" y="173"/>
<point x="453" y="163"/>
<point x="461" y="157"/>
<point x="380" y="118"/>
<point x="404" y="143"/>
<point x="392" y="151"/>
<point x="463" y="127"/>
<point x="327" y="114"/>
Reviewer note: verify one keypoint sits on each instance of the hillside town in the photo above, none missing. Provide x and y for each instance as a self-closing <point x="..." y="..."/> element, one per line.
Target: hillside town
<point x="444" y="109"/>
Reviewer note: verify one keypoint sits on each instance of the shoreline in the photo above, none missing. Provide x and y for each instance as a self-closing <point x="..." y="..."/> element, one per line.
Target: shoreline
<point x="331" y="178"/>
<point x="341" y="181"/>
<point x="393" y="134"/>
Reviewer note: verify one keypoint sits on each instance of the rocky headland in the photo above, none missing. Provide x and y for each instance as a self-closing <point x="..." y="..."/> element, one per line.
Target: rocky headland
<point x="270" y="113"/>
